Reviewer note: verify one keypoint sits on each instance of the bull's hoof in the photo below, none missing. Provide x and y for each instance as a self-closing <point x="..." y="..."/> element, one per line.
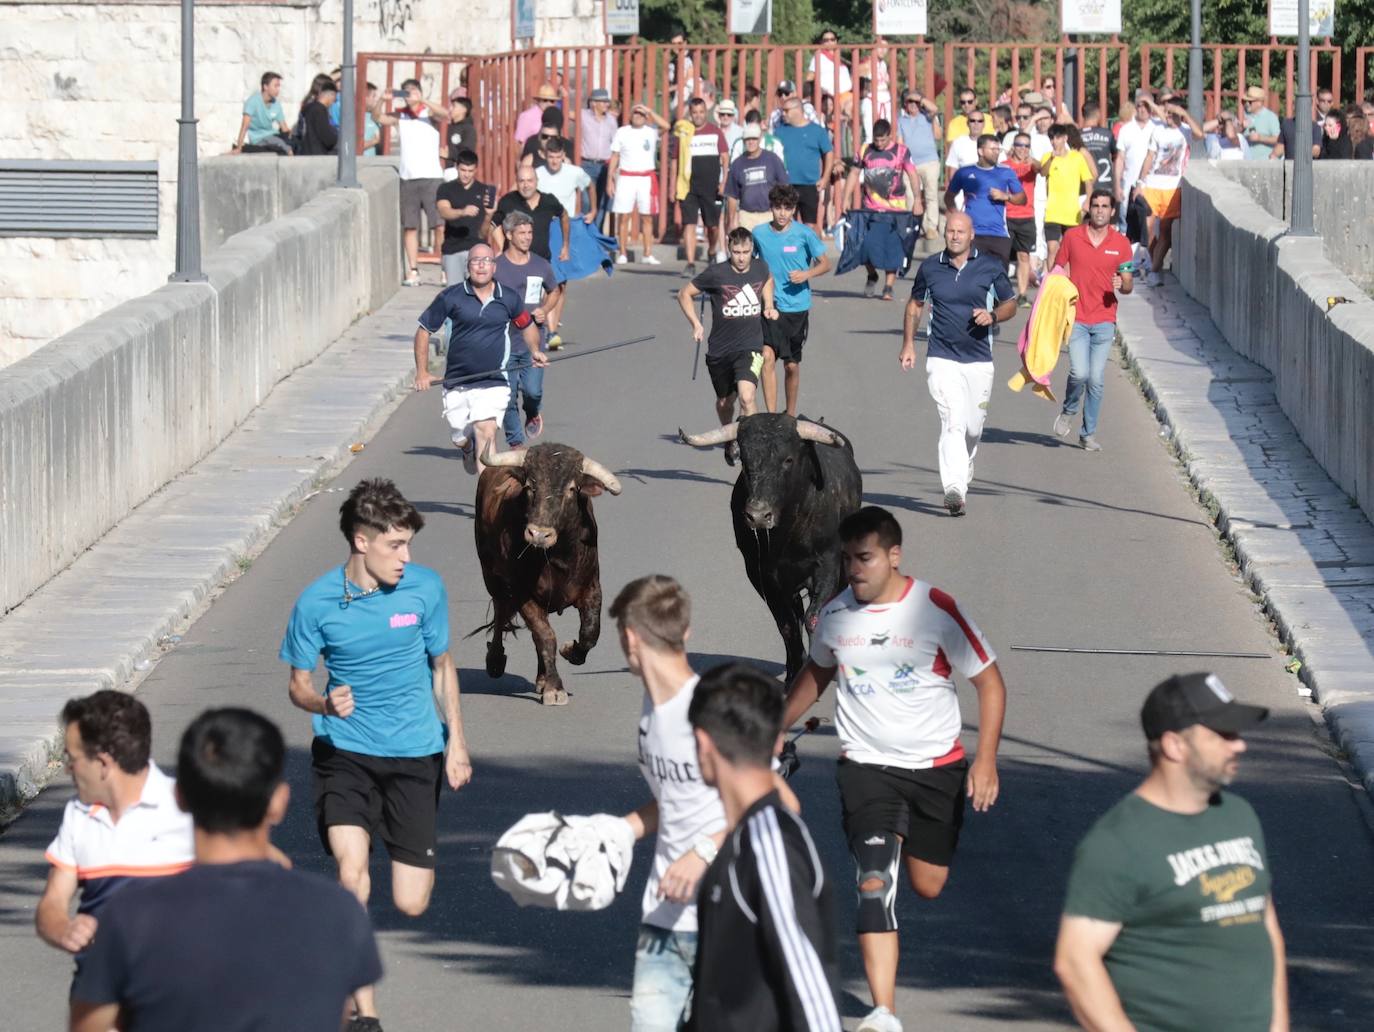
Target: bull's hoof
<point x="496" y="663"/>
<point x="553" y="697"/>
<point x="574" y="652"/>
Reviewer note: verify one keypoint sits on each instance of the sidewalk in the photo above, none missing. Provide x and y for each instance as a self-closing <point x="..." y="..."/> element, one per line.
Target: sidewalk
<point x="1303" y="544"/>
<point x="108" y="616"/>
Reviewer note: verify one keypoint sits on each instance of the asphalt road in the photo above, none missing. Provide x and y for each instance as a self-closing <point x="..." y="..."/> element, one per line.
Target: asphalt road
<point x="1059" y="547"/>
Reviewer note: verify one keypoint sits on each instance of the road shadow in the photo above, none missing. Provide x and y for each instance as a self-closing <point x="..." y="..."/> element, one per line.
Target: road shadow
<point x="467" y="512"/>
<point x="691" y="476"/>
<point x="435" y="451"/>
<point x="1000" y="435"/>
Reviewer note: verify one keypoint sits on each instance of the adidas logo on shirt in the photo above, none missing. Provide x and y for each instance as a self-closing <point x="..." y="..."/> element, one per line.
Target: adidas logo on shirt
<point x="743" y="302"/>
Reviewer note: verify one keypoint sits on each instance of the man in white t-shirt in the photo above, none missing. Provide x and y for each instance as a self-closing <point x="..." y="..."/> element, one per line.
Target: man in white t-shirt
<point x="894" y="643"/>
<point x="1161" y="177"/>
<point x="1132" y="144"/>
<point x="417" y="130"/>
<point x="685" y="816"/>
<point x="566" y="181"/>
<point x="632" y="180"/>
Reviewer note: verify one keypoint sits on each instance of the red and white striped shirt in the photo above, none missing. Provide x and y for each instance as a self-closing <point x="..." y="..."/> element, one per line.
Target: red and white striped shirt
<point x="896" y="704"/>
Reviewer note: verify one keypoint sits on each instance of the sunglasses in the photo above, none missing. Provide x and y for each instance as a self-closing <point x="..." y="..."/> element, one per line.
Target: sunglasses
<point x="968" y="100"/>
<point x="975" y="121"/>
<point x="829" y="39"/>
<point x="548" y="136"/>
<point x="726" y="114"/>
<point x="911" y="100"/>
<point x="542" y="100"/>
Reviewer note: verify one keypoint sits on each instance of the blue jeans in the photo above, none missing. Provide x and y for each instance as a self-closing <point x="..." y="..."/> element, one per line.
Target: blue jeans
<point x="663" y="978"/>
<point x="596" y="172"/>
<point x="1089" y="346"/>
<point x="528" y="381"/>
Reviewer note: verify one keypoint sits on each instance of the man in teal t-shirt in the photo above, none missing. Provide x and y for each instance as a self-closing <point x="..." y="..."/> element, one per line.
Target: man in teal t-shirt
<point x="795" y="256"/>
<point x="264" y="122"/>
<point x="1261" y="124"/>
<point x="809" y="156"/>
<point x="379" y="757"/>
<point x="1168" y="922"/>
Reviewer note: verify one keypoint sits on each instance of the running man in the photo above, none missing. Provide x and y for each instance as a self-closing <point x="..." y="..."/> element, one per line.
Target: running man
<point x="894" y="642"/>
<point x="968" y="293"/>
<point x="741" y="293"/>
<point x="477" y="386"/>
<point x="380" y="754"/>
<point x="884" y="179"/>
<point x="534" y="279"/>
<point x="766" y="958"/>
<point x="795" y="256"/>
<point x="988" y="188"/>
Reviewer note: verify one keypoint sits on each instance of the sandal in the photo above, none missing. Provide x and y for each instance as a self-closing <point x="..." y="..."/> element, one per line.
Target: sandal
<point x="887" y="293"/>
<point x="413" y="280"/>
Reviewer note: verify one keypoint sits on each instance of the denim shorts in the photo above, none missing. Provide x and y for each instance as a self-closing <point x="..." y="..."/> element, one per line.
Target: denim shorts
<point x="663" y="978"/>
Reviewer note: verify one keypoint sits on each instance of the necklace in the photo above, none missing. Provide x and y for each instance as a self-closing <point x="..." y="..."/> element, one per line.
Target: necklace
<point x="348" y="595"/>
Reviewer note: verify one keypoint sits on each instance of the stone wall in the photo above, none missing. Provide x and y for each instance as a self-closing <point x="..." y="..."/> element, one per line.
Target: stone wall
<point x="99" y="419"/>
<point x="1267" y="293"/>
<point x="90" y="81"/>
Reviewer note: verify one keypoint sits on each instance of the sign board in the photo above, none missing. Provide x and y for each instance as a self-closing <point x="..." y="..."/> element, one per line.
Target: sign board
<point x="524" y="19"/>
<point x="1283" y="17"/>
<point x="1091" y="17"/>
<point x="622" y="17"/>
<point x="899" y="18"/>
<point x="750" y="17"/>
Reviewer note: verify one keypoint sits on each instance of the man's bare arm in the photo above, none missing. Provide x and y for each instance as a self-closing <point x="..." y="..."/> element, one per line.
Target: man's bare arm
<point x="1078" y="961"/>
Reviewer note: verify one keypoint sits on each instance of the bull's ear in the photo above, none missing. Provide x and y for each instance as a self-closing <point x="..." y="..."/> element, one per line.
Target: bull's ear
<point x="590" y="486"/>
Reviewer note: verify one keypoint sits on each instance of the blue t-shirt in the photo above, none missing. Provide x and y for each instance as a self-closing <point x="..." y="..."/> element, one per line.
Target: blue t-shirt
<point x="263" y="118"/>
<point x="335" y="108"/>
<point x="989" y="216"/>
<point x="483" y="338"/>
<point x="379" y="645"/>
<point x="952" y="294"/>
<point x="803" y="148"/>
<point x="919" y="136"/>
<point x="796" y="247"/>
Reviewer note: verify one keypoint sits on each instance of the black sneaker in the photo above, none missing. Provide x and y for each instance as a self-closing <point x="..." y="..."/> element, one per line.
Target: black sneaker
<point x="690" y="270"/>
<point x="358" y="1023"/>
<point x="732" y="453"/>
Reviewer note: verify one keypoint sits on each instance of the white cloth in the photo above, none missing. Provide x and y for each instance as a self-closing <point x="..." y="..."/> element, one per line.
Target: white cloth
<point x="637" y="147"/>
<point x="688" y="808"/>
<point x="896" y="704"/>
<point x="564" y="185"/>
<point x="961" y="391"/>
<point x="464" y="406"/>
<point x="566" y="863"/>
<point x="419" y="145"/>
<point x="633" y="193"/>
<point x="1171" y="158"/>
<point x="1133" y="143"/>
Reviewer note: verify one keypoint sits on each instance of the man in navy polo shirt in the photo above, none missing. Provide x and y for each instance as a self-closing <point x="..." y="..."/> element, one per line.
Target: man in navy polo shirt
<point x="988" y="188"/>
<point x="968" y="292"/>
<point x="476" y="382"/>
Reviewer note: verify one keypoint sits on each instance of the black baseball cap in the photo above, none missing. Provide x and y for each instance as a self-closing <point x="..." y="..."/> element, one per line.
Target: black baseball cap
<point x="787" y="86"/>
<point x="1187" y="699"/>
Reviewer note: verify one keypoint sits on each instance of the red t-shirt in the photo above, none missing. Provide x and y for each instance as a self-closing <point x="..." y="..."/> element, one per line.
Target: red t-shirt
<point x="1026" y="174"/>
<point x="1091" y="269"/>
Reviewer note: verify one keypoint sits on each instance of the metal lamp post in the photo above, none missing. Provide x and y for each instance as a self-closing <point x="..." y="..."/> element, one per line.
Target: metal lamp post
<point x="1196" y="104"/>
<point x="1300" y="216"/>
<point x="188" y="268"/>
<point x="348" y="117"/>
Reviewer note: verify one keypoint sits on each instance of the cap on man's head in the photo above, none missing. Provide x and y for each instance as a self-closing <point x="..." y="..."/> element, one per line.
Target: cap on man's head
<point x="727" y="107"/>
<point x="1034" y="98"/>
<point x="599" y="94"/>
<point x="787" y="86"/>
<point x="1256" y="93"/>
<point x="752" y="132"/>
<point x="1187" y="699"/>
<point x="546" y="92"/>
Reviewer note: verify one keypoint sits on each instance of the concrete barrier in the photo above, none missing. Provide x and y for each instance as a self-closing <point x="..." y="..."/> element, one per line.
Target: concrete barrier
<point x="99" y="419"/>
<point x="1268" y="293"/>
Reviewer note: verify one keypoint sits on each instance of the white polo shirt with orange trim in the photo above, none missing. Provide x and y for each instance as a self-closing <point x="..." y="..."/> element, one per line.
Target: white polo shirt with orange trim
<point x="896" y="705"/>
<point x="152" y="839"/>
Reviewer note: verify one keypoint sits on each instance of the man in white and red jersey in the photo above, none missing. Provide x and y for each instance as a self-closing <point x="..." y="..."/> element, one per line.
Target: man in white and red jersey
<point x="895" y="642"/>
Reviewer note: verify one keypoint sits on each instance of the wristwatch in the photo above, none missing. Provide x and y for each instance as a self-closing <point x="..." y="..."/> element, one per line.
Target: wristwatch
<point x="705" y="848"/>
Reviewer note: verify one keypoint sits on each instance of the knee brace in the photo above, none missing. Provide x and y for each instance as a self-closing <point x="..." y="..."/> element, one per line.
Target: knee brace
<point x="876" y="858"/>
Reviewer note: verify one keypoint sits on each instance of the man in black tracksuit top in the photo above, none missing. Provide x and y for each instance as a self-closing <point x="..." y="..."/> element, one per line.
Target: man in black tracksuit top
<point x="766" y="934"/>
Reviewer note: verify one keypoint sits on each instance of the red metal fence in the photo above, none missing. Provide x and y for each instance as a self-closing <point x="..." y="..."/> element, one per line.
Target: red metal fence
<point x="1364" y="72"/>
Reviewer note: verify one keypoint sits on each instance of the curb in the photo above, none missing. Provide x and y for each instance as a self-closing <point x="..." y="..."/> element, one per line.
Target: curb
<point x="1307" y="553"/>
<point x="103" y="621"/>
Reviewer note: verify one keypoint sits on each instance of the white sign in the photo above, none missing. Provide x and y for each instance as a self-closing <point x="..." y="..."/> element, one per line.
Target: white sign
<point x="899" y="18"/>
<point x="1093" y="17"/>
<point x="524" y="19"/>
<point x="1283" y="17"/>
<point x="622" y="17"/>
<point x="750" y="17"/>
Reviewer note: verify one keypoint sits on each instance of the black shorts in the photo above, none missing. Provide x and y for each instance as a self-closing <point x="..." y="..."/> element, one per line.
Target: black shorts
<point x="808" y="202"/>
<point x="924" y="807"/>
<point x="395" y="799"/>
<point x="786" y="334"/>
<point x="729" y="371"/>
<point x="1022" y="235"/>
<point x="1055" y="231"/>
<point x="994" y="245"/>
<point x="704" y="201"/>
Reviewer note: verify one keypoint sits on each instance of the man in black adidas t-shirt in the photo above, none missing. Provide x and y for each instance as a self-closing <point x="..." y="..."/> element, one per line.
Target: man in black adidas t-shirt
<point x="765" y="930"/>
<point x="741" y="293"/>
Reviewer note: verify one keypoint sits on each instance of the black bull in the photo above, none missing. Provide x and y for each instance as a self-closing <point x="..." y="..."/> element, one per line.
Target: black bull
<point x="798" y="481"/>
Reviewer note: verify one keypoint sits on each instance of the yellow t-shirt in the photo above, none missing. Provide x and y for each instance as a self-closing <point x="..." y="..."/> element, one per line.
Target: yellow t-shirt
<point x="1063" y="187"/>
<point x="958" y="126"/>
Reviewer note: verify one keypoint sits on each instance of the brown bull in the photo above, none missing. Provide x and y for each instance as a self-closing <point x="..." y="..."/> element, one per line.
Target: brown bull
<point x="536" y="541"/>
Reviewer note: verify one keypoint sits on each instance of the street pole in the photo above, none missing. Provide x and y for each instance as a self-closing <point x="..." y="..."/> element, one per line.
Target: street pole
<point x="1196" y="104"/>
<point x="188" y="268"/>
<point x="348" y="117"/>
<point x="1300" y="216"/>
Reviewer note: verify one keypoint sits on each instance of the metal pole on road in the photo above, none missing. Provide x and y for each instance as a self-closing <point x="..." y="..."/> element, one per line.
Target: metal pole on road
<point x="1196" y="104"/>
<point x="1300" y="215"/>
<point x="188" y="268"/>
<point x="348" y="117"/>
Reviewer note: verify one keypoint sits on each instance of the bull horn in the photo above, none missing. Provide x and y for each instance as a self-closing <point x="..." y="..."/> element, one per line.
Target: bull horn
<point x="809" y="431"/>
<point x="505" y="458"/>
<point x="592" y="468"/>
<point x="712" y="437"/>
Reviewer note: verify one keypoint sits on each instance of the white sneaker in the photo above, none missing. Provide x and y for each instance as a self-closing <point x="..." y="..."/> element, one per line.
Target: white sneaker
<point x="622" y="259"/>
<point x="649" y="259"/>
<point x="879" y="1019"/>
<point x="1153" y="280"/>
<point x="720" y="257"/>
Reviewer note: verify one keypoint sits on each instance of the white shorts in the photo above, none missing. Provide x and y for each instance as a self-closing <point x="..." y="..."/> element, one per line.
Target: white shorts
<point x="633" y="193"/>
<point x="464" y="406"/>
